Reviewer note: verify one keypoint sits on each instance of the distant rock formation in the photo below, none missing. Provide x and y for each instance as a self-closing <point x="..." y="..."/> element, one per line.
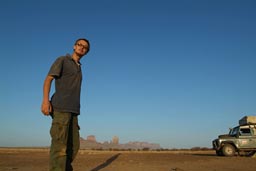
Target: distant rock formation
<point x="115" y="140"/>
<point x="91" y="138"/>
<point x="91" y="143"/>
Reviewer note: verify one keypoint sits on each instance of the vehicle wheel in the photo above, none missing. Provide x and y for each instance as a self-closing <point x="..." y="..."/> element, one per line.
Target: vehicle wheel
<point x="228" y="150"/>
<point x="219" y="153"/>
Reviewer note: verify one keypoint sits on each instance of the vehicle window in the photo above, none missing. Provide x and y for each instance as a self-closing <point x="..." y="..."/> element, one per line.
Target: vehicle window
<point x="233" y="131"/>
<point x="245" y="131"/>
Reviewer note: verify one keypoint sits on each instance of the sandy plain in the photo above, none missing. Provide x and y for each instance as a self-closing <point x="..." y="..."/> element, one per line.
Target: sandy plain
<point x="13" y="159"/>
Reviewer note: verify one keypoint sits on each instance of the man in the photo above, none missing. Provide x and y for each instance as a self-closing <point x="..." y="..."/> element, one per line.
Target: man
<point x="64" y="106"/>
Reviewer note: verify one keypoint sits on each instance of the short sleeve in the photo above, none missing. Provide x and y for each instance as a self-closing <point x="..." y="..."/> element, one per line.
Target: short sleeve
<point x="56" y="67"/>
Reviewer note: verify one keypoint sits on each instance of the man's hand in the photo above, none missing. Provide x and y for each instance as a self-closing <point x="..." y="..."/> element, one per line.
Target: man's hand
<point x="46" y="108"/>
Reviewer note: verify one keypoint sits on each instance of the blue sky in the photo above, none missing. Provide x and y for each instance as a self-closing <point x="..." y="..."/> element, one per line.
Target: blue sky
<point x="177" y="73"/>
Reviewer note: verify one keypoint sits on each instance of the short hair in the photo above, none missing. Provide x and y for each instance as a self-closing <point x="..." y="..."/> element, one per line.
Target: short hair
<point x="87" y="41"/>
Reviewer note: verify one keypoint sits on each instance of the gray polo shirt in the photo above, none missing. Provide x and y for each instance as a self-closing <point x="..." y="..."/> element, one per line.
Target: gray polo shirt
<point x="68" y="80"/>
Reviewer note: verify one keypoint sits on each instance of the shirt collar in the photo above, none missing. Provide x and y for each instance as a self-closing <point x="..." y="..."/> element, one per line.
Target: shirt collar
<point x="70" y="57"/>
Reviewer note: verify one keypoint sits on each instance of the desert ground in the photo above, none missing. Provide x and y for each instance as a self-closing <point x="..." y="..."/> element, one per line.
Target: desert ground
<point x="37" y="160"/>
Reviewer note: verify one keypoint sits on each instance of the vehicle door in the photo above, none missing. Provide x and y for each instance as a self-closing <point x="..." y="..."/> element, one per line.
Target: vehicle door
<point x="253" y="130"/>
<point x="246" y="138"/>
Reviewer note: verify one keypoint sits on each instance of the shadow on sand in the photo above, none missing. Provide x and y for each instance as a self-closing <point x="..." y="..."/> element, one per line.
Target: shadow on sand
<point x="106" y="163"/>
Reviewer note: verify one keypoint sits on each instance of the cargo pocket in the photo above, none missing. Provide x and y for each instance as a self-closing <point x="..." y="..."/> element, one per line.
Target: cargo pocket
<point x="59" y="130"/>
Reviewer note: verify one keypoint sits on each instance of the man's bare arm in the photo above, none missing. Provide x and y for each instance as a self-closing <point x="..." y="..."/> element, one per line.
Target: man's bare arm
<point x="46" y="107"/>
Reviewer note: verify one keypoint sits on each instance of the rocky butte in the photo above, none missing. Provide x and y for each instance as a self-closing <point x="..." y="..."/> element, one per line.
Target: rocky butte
<point x="91" y="143"/>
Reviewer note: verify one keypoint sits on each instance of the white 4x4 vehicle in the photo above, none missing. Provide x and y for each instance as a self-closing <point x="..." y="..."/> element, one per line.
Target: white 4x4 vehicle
<point x="241" y="138"/>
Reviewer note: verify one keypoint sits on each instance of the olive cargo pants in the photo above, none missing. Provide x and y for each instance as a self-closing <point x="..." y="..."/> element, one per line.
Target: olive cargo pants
<point x="65" y="141"/>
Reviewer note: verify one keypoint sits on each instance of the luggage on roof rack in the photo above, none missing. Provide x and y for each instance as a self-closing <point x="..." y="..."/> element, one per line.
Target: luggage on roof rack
<point x="247" y="120"/>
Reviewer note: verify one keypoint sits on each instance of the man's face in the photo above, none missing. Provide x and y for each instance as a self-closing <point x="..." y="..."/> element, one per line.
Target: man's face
<point x="81" y="48"/>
